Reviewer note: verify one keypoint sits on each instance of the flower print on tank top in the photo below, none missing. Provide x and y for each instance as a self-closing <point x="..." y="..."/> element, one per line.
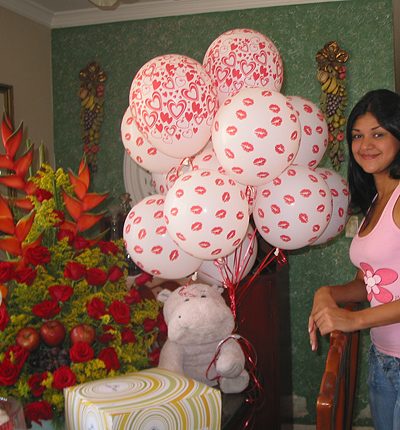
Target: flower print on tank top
<point x="374" y="282"/>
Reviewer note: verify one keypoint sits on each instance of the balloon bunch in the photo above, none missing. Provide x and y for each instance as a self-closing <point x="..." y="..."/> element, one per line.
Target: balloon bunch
<point x="223" y="144"/>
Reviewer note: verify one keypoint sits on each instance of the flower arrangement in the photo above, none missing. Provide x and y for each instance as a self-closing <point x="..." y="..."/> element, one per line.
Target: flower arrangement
<point x="66" y="314"/>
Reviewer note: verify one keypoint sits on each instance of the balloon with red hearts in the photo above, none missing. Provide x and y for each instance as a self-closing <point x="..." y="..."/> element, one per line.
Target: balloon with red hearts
<point x="340" y="199"/>
<point x="206" y="214"/>
<point x="149" y="244"/>
<point x="243" y="58"/>
<point x="140" y="149"/>
<point x="256" y="135"/>
<point x="314" y="132"/>
<point x="173" y="101"/>
<point x="293" y="210"/>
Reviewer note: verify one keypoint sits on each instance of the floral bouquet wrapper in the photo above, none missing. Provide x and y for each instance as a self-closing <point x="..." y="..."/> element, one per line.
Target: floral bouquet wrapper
<point x="152" y="398"/>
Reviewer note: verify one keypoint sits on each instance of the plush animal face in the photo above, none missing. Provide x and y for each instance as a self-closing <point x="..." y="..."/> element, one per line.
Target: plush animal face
<point x="196" y="314"/>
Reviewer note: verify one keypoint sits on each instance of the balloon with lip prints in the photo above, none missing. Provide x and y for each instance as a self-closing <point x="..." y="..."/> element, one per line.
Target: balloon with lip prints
<point x="141" y="151"/>
<point x="207" y="160"/>
<point x="174" y="100"/>
<point x="340" y="210"/>
<point x="293" y="210"/>
<point x="243" y="58"/>
<point x="314" y="132"/>
<point x="206" y="214"/>
<point x="234" y="266"/>
<point x="150" y="246"/>
<point x="256" y="135"/>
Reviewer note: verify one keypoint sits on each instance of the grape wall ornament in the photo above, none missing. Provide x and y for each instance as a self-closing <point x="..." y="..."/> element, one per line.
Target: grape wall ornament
<point x="91" y="92"/>
<point x="333" y="99"/>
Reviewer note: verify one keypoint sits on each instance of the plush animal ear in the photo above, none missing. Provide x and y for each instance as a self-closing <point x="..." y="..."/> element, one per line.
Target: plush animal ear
<point x="163" y="295"/>
<point x="218" y="288"/>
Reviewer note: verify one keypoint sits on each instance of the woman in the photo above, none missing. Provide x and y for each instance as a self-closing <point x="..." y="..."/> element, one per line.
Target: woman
<point x="373" y="135"/>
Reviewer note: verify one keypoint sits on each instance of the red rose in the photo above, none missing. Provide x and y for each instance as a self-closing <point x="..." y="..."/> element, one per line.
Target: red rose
<point x="81" y="352"/>
<point x="4" y="319"/>
<point x="149" y="325"/>
<point x="46" y="309"/>
<point x="106" y="336"/>
<point x="63" y="377"/>
<point x="110" y="358"/>
<point x="60" y="293"/>
<point x="42" y="195"/>
<point x="61" y="218"/>
<point x="161" y="324"/>
<point x="133" y="297"/>
<point x="38" y="411"/>
<point x="6" y="272"/>
<point x="35" y="384"/>
<point x="80" y="243"/>
<point x="9" y="373"/>
<point x="96" y="276"/>
<point x="16" y="354"/>
<point x="107" y="247"/>
<point x="143" y="279"/>
<point x="120" y="312"/>
<point x="26" y="276"/>
<point x="74" y="271"/>
<point x="128" y="336"/>
<point x="65" y="233"/>
<point x="96" y="308"/>
<point x="154" y="357"/>
<point x="38" y="256"/>
<point x="115" y="274"/>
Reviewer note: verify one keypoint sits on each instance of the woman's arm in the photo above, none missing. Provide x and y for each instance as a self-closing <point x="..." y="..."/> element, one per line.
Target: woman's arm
<point x="325" y="302"/>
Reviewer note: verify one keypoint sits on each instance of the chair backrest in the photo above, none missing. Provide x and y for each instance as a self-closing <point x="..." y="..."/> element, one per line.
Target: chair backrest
<point x="336" y="396"/>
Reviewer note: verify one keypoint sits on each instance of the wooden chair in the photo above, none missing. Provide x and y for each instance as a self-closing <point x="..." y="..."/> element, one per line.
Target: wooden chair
<point x="336" y="396"/>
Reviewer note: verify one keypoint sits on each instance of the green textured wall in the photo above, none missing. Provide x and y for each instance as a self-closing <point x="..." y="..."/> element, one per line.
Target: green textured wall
<point x="362" y="27"/>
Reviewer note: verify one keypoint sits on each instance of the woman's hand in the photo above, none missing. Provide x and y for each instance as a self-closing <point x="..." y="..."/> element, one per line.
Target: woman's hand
<point x="322" y="300"/>
<point x="330" y="319"/>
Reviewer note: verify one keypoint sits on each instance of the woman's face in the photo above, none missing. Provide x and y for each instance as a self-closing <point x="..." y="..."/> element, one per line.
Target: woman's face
<point x="373" y="147"/>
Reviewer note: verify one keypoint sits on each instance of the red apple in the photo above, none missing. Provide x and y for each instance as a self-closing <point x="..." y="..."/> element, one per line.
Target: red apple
<point x="52" y="333"/>
<point x="83" y="332"/>
<point x="28" y="338"/>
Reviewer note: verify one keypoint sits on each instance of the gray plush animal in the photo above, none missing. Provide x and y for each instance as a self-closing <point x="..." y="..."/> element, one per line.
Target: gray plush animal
<point x="200" y="324"/>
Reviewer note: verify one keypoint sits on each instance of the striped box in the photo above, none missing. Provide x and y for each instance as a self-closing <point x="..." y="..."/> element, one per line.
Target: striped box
<point x="152" y="399"/>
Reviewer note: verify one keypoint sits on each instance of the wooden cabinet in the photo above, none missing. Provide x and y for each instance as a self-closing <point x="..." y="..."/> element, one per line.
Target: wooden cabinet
<point x="264" y="320"/>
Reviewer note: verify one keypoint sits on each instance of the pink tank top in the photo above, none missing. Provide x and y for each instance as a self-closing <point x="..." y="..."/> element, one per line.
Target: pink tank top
<point x="378" y="256"/>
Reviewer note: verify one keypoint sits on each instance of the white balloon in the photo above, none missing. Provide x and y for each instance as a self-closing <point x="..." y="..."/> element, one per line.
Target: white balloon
<point x="256" y="135"/>
<point x="150" y="246"/>
<point x="314" y="132"/>
<point x="293" y="210"/>
<point x="140" y="149"/>
<point x="207" y="160"/>
<point x="233" y="267"/>
<point x="340" y="197"/>
<point x="206" y="214"/>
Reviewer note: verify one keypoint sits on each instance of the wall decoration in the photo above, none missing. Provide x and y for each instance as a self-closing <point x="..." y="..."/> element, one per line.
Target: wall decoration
<point x="91" y="92"/>
<point x="333" y="99"/>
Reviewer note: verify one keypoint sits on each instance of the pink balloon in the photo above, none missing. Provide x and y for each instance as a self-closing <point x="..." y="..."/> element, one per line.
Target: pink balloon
<point x="293" y="210"/>
<point x="233" y="267"/>
<point x="243" y="58"/>
<point x="314" y="132"/>
<point x="340" y="198"/>
<point x="206" y="214"/>
<point x="141" y="151"/>
<point x="256" y="135"/>
<point x="149" y="244"/>
<point x="174" y="101"/>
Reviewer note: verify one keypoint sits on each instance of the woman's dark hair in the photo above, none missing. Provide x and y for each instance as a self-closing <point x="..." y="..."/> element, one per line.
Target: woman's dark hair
<point x="384" y="105"/>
